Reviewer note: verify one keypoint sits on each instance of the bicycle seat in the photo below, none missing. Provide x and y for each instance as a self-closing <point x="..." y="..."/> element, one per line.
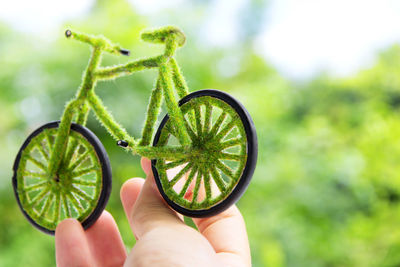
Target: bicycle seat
<point x="161" y="34"/>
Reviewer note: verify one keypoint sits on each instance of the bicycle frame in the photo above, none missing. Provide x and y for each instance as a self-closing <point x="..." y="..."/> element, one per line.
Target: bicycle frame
<point x="169" y="78"/>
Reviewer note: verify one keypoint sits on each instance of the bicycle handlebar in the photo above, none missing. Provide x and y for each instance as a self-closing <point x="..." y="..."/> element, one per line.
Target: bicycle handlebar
<point x="97" y="41"/>
<point x="161" y="35"/>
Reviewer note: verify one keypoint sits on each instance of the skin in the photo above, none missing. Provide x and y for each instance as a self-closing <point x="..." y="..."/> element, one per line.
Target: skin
<point x="162" y="237"/>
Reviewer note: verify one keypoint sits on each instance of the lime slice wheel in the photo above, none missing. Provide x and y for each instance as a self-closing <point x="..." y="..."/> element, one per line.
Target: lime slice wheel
<point x="81" y="187"/>
<point x="223" y="155"/>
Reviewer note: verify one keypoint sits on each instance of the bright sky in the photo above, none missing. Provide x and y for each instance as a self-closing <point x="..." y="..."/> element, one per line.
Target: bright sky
<point x="304" y="37"/>
<point x="300" y="38"/>
<point x="31" y="16"/>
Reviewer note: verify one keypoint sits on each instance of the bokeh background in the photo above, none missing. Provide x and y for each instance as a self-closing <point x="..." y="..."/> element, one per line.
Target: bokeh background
<point x="321" y="80"/>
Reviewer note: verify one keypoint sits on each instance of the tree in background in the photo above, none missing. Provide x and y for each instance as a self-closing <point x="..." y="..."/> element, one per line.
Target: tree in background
<point x="326" y="190"/>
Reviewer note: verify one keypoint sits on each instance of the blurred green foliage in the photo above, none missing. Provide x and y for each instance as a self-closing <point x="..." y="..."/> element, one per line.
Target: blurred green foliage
<point x="326" y="191"/>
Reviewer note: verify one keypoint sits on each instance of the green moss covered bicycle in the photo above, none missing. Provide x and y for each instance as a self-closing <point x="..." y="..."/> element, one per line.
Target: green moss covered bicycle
<point x="203" y="153"/>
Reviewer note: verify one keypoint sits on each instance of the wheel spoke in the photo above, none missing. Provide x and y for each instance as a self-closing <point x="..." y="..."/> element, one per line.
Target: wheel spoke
<point x="75" y="202"/>
<point x="84" y="171"/>
<point x="176" y="163"/>
<point x="225" y="169"/>
<point x="81" y="194"/>
<point x="198" y="120"/>
<point x="66" y="206"/>
<point x="57" y="207"/>
<point x="83" y="182"/>
<point x="207" y="119"/>
<point x="42" y="151"/>
<point x="189" y="129"/>
<point x="197" y="186"/>
<point x="188" y="181"/>
<point x="218" y="179"/>
<point x="36" y="162"/>
<point x="191" y="116"/>
<point x="230" y="156"/>
<point x="78" y="161"/>
<point x="232" y="142"/>
<point x="34" y="174"/>
<point x="46" y="205"/>
<point x="225" y="130"/>
<point x="207" y="184"/>
<point x="39" y="197"/>
<point x="180" y="174"/>
<point x="47" y="135"/>
<point x="218" y="123"/>
<point x="34" y="187"/>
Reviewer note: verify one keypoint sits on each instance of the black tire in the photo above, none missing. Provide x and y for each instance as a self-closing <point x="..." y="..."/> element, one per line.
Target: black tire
<point x="103" y="160"/>
<point x="247" y="173"/>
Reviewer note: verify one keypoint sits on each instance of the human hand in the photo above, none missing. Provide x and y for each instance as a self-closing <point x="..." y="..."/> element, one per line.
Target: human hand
<point x="163" y="239"/>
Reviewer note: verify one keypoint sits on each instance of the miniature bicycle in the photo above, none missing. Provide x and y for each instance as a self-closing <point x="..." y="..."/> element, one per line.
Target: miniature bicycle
<point x="203" y="153"/>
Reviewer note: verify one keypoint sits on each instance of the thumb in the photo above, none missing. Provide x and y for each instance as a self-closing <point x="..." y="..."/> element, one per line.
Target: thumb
<point x="149" y="210"/>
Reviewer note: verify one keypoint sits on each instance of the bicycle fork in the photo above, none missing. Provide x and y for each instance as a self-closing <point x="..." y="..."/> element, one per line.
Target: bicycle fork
<point x="77" y="106"/>
<point x="61" y="140"/>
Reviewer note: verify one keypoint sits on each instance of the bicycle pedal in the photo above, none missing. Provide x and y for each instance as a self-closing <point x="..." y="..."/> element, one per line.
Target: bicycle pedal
<point x="122" y="143"/>
<point x="125" y="52"/>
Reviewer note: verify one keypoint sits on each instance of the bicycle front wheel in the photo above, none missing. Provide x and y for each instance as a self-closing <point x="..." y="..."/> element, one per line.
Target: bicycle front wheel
<point x="224" y="153"/>
<point x="81" y="187"/>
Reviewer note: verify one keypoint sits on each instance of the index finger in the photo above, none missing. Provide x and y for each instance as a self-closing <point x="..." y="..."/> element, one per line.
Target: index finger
<point x="226" y="232"/>
<point x="72" y="248"/>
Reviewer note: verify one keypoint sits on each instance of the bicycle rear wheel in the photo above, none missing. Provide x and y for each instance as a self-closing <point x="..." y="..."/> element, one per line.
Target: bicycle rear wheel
<point x="223" y="158"/>
<point x="81" y="187"/>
